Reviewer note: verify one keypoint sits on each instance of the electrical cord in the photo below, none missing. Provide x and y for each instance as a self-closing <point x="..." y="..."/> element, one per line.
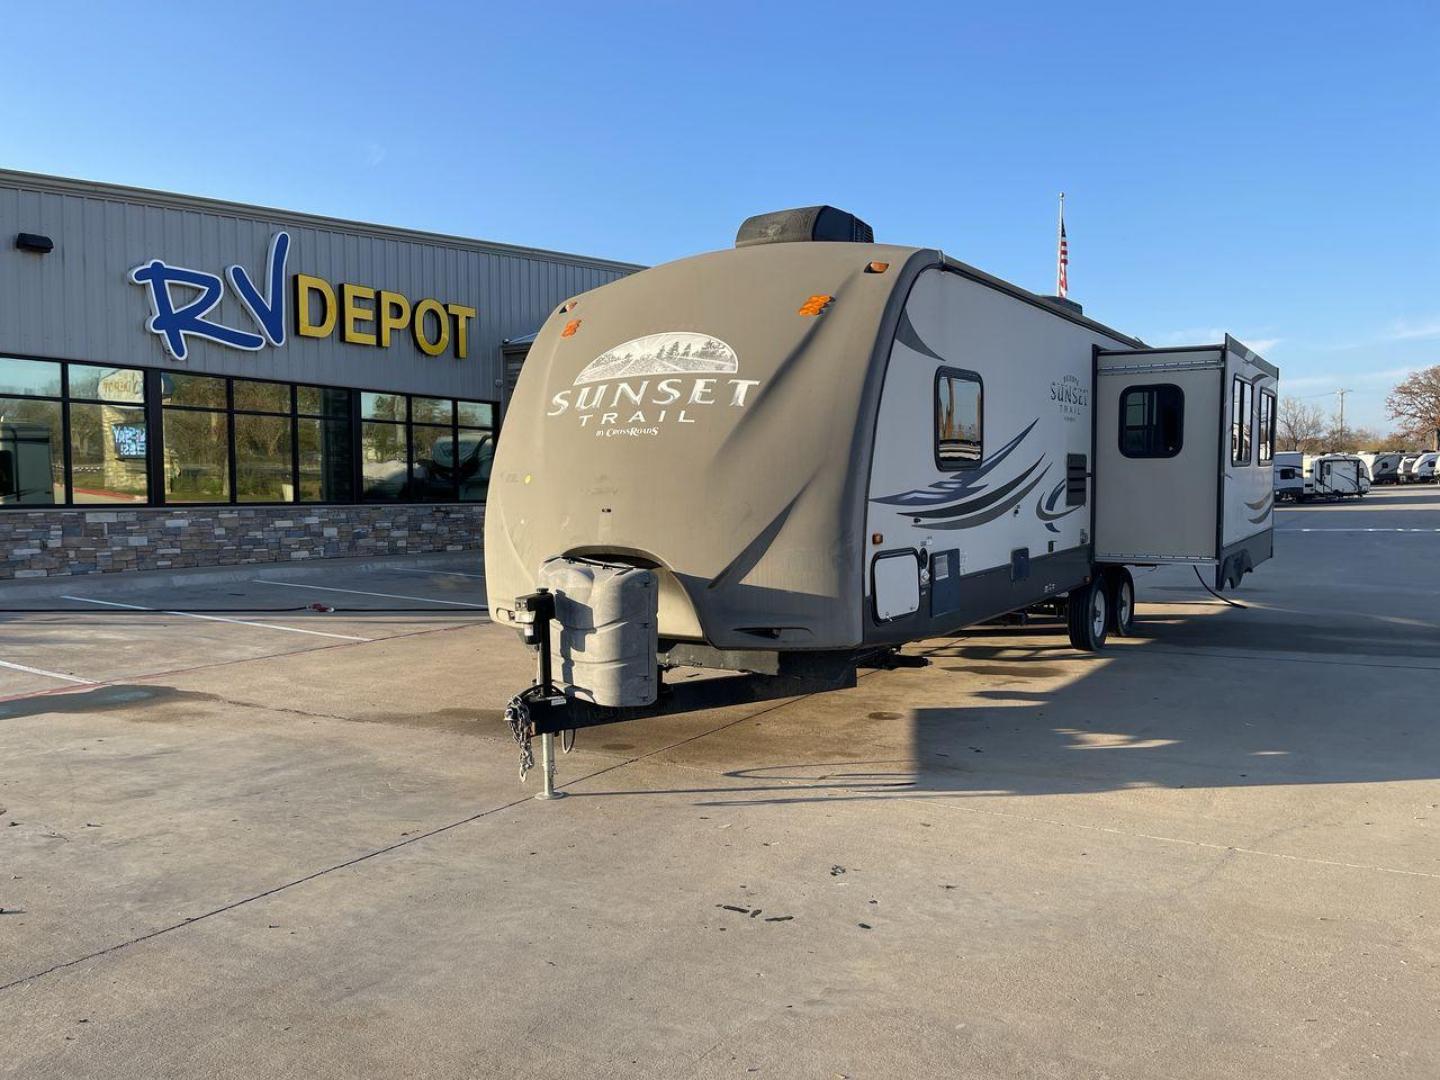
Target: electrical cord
<point x="1215" y="594"/>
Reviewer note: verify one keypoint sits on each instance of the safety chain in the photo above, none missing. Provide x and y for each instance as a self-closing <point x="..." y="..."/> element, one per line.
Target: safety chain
<point x="517" y="715"/>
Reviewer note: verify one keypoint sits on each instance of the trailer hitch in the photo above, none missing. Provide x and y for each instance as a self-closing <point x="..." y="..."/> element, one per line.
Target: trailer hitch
<point x="533" y="612"/>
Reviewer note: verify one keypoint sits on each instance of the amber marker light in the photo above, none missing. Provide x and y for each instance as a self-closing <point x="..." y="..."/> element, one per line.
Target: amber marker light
<point x="877" y="538"/>
<point x="877" y="268"/>
<point x="570" y="328"/>
<point x="815" y="305"/>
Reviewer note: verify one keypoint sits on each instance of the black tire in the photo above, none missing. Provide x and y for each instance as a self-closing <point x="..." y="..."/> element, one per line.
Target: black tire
<point x="1121" y="587"/>
<point x="1087" y="615"/>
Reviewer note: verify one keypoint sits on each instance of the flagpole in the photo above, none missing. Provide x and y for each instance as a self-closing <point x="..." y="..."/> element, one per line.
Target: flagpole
<point x="1059" y="233"/>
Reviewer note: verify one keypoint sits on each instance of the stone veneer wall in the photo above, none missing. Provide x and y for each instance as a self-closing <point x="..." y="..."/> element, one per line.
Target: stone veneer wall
<point x="50" y="543"/>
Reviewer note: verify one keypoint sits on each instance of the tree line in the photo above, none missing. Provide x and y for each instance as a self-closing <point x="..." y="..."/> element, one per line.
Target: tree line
<point x="1414" y="405"/>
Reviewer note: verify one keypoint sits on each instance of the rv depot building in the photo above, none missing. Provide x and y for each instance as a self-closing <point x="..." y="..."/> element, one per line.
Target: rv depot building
<point x="185" y="382"/>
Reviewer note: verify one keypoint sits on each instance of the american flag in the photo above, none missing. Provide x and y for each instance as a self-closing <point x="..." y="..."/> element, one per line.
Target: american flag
<point x="1062" y="263"/>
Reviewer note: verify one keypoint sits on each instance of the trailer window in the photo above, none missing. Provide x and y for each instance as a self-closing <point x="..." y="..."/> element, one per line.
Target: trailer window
<point x="1152" y="421"/>
<point x="958" y="419"/>
<point x="1267" y="427"/>
<point x="1240" y="411"/>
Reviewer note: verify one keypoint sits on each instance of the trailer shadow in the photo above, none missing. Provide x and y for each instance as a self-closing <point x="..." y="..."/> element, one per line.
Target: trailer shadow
<point x="1161" y="713"/>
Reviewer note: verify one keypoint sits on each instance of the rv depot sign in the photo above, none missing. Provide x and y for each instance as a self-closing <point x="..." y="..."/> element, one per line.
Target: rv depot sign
<point x="364" y="316"/>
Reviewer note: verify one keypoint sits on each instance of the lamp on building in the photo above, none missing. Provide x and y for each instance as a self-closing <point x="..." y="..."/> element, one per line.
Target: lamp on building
<point x="29" y="241"/>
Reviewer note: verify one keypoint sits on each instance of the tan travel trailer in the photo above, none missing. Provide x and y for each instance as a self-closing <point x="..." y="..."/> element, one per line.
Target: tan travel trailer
<point x="814" y="445"/>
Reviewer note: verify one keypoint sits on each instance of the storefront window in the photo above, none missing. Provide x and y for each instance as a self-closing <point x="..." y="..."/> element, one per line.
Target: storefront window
<point x="427" y="410"/>
<point x="476" y="448"/>
<point x="382" y="406"/>
<point x="32" y="456"/>
<point x="432" y="463"/>
<point x="475" y="414"/>
<point x="262" y="459"/>
<point x="108" y="454"/>
<point x="39" y="378"/>
<point x="123" y="385"/>
<point x="268" y="397"/>
<point x="383" y="473"/>
<point x="325" y="460"/>
<point x="200" y="391"/>
<point x="197" y="456"/>
<point x="227" y="440"/>
<point x="322" y="401"/>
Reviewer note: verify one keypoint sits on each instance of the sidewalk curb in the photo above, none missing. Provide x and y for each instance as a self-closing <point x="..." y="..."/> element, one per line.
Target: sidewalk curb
<point x="46" y="588"/>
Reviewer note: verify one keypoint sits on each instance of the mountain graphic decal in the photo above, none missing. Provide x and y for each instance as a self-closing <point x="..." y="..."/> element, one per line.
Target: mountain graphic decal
<point x="672" y="352"/>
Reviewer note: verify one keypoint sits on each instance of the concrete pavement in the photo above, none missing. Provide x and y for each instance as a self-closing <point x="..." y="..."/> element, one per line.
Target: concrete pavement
<point x="1209" y="852"/>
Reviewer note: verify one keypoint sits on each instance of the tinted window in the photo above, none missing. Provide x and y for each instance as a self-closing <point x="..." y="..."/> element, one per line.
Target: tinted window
<point x="322" y="401"/>
<point x="197" y="456"/>
<point x="108" y="446"/>
<point x="1240" y="410"/>
<point x="958" y="419"/>
<point x="34" y="455"/>
<point x="197" y="390"/>
<point x="382" y="406"/>
<point x="325" y="460"/>
<point x="1152" y="421"/>
<point x="262" y="396"/>
<point x="1267" y="427"/>
<point x="262" y="459"/>
<point x="424" y="410"/>
<point x="29" y="377"/>
<point x="107" y="383"/>
<point x="383" y="469"/>
<point x="475" y="414"/>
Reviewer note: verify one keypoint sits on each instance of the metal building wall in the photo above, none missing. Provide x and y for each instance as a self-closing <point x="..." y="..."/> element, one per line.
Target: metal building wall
<point x="76" y="302"/>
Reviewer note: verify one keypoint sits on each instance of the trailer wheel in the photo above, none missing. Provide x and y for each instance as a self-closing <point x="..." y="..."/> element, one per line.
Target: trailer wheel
<point x="1121" y="587"/>
<point x="1087" y="613"/>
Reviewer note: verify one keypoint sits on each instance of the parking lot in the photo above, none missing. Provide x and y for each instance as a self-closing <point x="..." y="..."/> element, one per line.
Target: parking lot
<point x="239" y="838"/>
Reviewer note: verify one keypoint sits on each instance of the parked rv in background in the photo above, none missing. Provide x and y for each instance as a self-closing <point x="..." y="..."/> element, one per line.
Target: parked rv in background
<point x="1334" y="476"/>
<point x="1384" y="466"/>
<point x="1402" y="471"/>
<point x="1289" y="473"/>
<point x="1298" y="477"/>
<point x="1422" y="471"/>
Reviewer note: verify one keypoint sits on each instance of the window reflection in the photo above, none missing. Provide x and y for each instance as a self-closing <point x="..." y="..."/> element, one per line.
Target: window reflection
<point x="322" y="401"/>
<point x="383" y="470"/>
<point x="325" y="461"/>
<point x="108" y="454"/>
<point x="39" y="377"/>
<point x="32" y="460"/>
<point x="218" y="439"/>
<point x="433" y="464"/>
<point x="107" y="383"/>
<point x="203" y="391"/>
<point x="382" y="406"/>
<point x="957" y="420"/>
<point x="262" y="459"/>
<point x="197" y="456"/>
<point x="261" y="396"/>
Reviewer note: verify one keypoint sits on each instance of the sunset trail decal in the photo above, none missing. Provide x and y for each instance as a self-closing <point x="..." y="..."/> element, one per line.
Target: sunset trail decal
<point x="651" y="384"/>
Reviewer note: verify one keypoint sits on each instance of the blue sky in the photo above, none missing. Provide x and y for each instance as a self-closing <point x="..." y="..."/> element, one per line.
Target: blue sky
<point x="1267" y="169"/>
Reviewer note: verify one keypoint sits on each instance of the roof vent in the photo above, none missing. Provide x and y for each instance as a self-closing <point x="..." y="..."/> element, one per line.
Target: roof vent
<point x="1066" y="302"/>
<point x="806" y="223"/>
